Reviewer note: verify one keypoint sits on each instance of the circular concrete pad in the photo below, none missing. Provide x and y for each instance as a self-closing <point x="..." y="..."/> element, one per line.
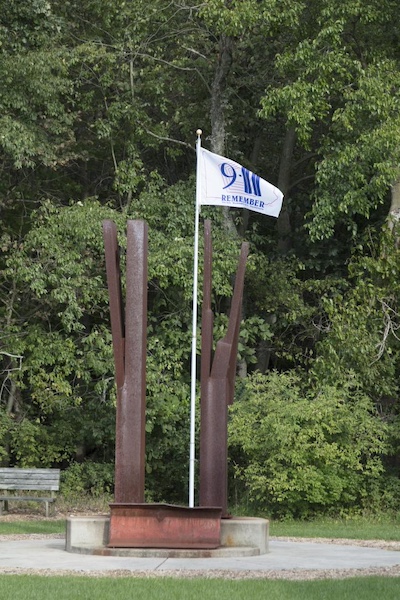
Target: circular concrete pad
<point x="167" y="552"/>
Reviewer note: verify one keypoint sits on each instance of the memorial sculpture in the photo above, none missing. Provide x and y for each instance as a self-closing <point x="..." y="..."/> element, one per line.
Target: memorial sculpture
<point x="133" y="522"/>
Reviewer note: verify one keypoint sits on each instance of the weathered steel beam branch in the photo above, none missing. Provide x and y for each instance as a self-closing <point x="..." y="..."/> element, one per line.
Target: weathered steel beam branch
<point x="217" y="385"/>
<point x="129" y="344"/>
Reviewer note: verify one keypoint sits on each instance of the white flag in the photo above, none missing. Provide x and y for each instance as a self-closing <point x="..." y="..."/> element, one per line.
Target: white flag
<point x="224" y="182"/>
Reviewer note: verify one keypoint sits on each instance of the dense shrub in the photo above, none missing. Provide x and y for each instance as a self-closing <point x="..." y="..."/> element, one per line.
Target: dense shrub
<point x="87" y="478"/>
<point x="299" y="451"/>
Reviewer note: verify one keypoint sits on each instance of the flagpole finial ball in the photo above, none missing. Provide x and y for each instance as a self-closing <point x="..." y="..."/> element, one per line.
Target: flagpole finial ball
<point x="199" y="132"/>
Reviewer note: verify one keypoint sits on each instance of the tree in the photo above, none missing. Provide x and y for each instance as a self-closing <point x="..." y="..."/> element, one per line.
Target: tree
<point x="340" y="84"/>
<point x="98" y="118"/>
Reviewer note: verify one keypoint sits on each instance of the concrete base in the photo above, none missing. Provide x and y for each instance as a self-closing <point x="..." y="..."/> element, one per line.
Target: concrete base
<point x="245" y="531"/>
<point x="91" y="532"/>
<point x="240" y="536"/>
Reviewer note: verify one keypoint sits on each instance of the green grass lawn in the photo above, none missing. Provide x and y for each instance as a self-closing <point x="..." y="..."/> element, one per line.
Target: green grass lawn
<point x="368" y="588"/>
<point x="380" y="527"/>
<point x="362" y="528"/>
<point x="39" y="526"/>
<point x="63" y="588"/>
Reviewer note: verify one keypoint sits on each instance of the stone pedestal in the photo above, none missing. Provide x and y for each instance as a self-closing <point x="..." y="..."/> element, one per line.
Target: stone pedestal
<point x="239" y="536"/>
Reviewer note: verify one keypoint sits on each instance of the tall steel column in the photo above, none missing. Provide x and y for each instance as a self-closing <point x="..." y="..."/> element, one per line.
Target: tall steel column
<point x="217" y="385"/>
<point x="129" y="329"/>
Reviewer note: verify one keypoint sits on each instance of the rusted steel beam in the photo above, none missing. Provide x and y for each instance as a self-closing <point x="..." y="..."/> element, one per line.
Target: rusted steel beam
<point x="164" y="526"/>
<point x="130" y="443"/>
<point x="207" y="316"/>
<point x="235" y="317"/>
<point x="213" y="446"/>
<point x="217" y="388"/>
<point x="115" y="299"/>
<point x="129" y="357"/>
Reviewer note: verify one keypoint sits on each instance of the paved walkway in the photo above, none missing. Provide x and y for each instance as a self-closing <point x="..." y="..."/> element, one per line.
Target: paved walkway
<point x="50" y="554"/>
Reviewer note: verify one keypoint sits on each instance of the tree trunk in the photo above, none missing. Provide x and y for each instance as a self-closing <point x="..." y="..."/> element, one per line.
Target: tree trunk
<point x="284" y="229"/>
<point x="245" y="212"/>
<point x="218" y="103"/>
<point x="283" y="225"/>
<point x="394" y="212"/>
<point x="13" y="399"/>
<point x="218" y="94"/>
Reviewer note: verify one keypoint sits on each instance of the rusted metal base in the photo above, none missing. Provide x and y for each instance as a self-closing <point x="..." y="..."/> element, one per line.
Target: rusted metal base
<point x="164" y="526"/>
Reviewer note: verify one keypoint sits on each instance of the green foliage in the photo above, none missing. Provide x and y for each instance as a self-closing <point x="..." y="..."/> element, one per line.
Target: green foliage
<point x="66" y="377"/>
<point x="32" y="445"/>
<point x="362" y="323"/>
<point x="99" y="109"/>
<point x="304" y="451"/>
<point x="91" y="478"/>
<point x="337" y="88"/>
<point x="361" y="155"/>
<point x="60" y="262"/>
<point x="35" y="100"/>
<point x="235" y="17"/>
<point x="5" y="428"/>
<point x="26" y="25"/>
<point x="167" y="427"/>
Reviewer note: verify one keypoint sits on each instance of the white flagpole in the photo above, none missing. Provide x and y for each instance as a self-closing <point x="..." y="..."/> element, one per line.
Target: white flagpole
<point x="192" y="453"/>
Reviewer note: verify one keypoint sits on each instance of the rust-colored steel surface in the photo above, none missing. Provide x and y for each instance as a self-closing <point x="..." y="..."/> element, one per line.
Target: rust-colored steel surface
<point x="207" y="317"/>
<point x="115" y="299"/>
<point x="164" y="526"/>
<point x="217" y="385"/>
<point x="129" y="344"/>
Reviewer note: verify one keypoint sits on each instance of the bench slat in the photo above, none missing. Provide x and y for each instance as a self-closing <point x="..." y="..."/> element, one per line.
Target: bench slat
<point x="47" y="480"/>
<point x="27" y="498"/>
<point x="26" y="486"/>
<point x="33" y="470"/>
<point x="39" y="473"/>
<point x="30" y="479"/>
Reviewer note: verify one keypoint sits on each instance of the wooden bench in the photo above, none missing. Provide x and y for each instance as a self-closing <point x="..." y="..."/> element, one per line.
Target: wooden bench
<point x="43" y="480"/>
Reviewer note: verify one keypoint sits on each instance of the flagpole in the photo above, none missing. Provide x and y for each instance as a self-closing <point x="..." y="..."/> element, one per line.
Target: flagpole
<point x="192" y="450"/>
